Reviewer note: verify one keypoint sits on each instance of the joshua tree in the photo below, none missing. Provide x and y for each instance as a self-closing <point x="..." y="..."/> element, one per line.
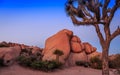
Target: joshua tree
<point x="58" y="53"/>
<point x="96" y="13"/>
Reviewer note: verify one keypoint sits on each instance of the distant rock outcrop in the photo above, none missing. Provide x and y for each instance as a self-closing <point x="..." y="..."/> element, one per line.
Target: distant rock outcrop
<point x="71" y="45"/>
<point x="10" y="51"/>
<point x="4" y="44"/>
<point x="9" y="54"/>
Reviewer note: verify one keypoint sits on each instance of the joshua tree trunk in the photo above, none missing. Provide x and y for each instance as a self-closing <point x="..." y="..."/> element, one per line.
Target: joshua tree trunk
<point x="105" y="43"/>
<point x="105" y="65"/>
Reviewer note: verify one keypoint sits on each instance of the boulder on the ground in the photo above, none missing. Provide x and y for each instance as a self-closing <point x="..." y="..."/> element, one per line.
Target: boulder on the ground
<point x="60" y="41"/>
<point x="88" y="48"/>
<point x="9" y="54"/>
<point x="76" y="45"/>
<point x="76" y="39"/>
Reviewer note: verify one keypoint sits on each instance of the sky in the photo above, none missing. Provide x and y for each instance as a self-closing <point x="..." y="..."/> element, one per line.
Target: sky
<point x="31" y="22"/>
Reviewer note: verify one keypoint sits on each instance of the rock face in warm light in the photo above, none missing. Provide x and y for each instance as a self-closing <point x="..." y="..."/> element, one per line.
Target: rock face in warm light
<point x="71" y="45"/>
<point x="9" y="54"/>
<point x="76" y="39"/>
<point x="10" y="51"/>
<point x="76" y="45"/>
<point x="89" y="48"/>
<point x="60" y="41"/>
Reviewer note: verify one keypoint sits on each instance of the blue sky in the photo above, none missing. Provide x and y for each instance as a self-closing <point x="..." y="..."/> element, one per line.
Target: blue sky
<point x="32" y="21"/>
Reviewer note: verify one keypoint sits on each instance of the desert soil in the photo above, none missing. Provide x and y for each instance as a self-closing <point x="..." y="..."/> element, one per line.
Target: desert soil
<point x="76" y="70"/>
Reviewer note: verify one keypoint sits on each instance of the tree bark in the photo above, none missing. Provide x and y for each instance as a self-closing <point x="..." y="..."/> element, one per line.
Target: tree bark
<point x="105" y="64"/>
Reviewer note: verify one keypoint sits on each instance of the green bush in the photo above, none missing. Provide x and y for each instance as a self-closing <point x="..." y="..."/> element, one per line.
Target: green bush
<point x="82" y="63"/>
<point x="115" y="63"/>
<point x="96" y="62"/>
<point x="45" y="65"/>
<point x="32" y="62"/>
<point x="25" y="61"/>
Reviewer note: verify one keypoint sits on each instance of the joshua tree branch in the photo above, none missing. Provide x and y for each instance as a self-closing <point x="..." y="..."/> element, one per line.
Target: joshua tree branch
<point x="107" y="32"/>
<point x="112" y="13"/>
<point x="99" y="34"/>
<point x="75" y="21"/>
<point x="104" y="9"/>
<point x="116" y="33"/>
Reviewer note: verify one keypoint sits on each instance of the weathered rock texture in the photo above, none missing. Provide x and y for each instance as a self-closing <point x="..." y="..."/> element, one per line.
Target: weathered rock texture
<point x="10" y="51"/>
<point x="60" y="41"/>
<point x="73" y="57"/>
<point x="71" y="45"/>
<point x="9" y="54"/>
<point x="76" y="45"/>
<point x="89" y="48"/>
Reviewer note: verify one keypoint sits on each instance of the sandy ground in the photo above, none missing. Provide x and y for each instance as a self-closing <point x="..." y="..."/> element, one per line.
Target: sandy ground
<point x="76" y="70"/>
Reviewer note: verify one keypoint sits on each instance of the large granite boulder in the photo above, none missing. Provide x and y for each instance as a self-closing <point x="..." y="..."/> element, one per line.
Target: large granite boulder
<point x="60" y="41"/>
<point x="76" y="39"/>
<point x="9" y="54"/>
<point x="76" y="45"/>
<point x="89" y="48"/>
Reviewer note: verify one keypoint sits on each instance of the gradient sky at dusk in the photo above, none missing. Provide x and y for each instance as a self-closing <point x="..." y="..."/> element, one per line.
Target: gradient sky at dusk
<point x="32" y="21"/>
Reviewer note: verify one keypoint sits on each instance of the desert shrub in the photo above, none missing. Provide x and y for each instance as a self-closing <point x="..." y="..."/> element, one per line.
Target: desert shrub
<point x="82" y="63"/>
<point x="33" y="62"/>
<point x="96" y="62"/>
<point x="24" y="61"/>
<point x="45" y="65"/>
<point x="115" y="63"/>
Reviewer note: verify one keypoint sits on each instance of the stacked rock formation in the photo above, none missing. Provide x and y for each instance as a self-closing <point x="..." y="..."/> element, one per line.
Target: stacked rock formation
<point x="71" y="45"/>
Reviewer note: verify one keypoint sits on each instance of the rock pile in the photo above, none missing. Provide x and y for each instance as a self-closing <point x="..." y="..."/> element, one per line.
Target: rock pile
<point x="71" y="45"/>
